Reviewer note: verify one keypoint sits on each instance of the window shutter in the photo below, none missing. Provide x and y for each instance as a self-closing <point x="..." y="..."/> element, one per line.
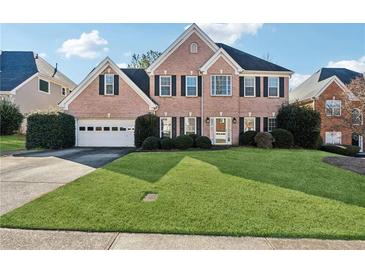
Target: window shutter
<point x="199" y="125"/>
<point x="182" y="125"/>
<point x="116" y="84"/>
<point x="281" y="86"/>
<point x="200" y="86"/>
<point x="258" y="126"/>
<point x="101" y="84"/>
<point x="265" y="123"/>
<point x="183" y="93"/>
<point x="157" y="85"/>
<point x="159" y="127"/>
<point x="258" y="86"/>
<point x="242" y="124"/>
<point x="173" y="127"/>
<point x="242" y="86"/>
<point x="266" y="87"/>
<point x="173" y="79"/>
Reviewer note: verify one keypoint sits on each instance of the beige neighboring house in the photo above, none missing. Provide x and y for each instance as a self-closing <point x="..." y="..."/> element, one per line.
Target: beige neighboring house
<point x="31" y="82"/>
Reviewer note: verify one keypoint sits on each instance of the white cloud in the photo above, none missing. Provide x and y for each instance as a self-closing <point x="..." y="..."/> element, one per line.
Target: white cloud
<point x="43" y="55"/>
<point x="127" y="54"/>
<point x="229" y="33"/>
<point x="356" y="65"/>
<point x="89" y="45"/>
<point x="297" y="79"/>
<point x="122" y="65"/>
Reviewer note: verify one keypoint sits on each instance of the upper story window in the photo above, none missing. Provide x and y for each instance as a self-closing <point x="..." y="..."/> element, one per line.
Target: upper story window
<point x="333" y="107"/>
<point x="273" y="86"/>
<point x="44" y="86"/>
<point x="165" y="85"/>
<point x="190" y="125"/>
<point x="194" y="48"/>
<point x="191" y="85"/>
<point x="221" y="85"/>
<point x="109" y="84"/>
<point x="249" y="86"/>
<point x="356" y="117"/>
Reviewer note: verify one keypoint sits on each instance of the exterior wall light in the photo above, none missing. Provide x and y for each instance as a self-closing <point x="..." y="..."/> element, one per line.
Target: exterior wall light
<point x="234" y="120"/>
<point x="207" y="120"/>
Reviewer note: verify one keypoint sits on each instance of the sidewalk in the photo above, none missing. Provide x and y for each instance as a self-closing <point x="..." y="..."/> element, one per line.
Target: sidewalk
<point x="43" y="239"/>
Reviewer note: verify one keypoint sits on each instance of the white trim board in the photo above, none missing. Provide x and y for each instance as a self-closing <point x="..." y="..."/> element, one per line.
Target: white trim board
<point x="221" y="53"/>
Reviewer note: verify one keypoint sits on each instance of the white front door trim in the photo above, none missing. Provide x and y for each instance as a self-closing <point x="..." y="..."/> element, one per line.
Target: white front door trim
<point x="221" y="138"/>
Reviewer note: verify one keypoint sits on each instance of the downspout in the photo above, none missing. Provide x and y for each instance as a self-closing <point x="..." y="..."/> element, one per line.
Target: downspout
<point x="202" y="108"/>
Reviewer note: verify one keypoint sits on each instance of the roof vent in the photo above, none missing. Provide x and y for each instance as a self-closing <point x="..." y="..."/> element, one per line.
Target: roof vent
<point x="55" y="70"/>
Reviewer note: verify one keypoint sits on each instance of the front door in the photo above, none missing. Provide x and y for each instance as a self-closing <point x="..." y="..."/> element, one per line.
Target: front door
<point x="220" y="130"/>
<point x="357" y="140"/>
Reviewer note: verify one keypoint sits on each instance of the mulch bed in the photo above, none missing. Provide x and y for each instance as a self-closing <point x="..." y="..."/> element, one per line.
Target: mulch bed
<point x="350" y="163"/>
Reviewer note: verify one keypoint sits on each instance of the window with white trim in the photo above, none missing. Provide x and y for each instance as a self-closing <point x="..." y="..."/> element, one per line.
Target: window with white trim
<point x="221" y="85"/>
<point x="356" y="117"/>
<point x="333" y="107"/>
<point x="271" y="124"/>
<point x="191" y="83"/>
<point x="249" y="86"/>
<point x="273" y="86"/>
<point x="44" y="86"/>
<point x="165" y="127"/>
<point x="333" y="137"/>
<point x="165" y="85"/>
<point x="194" y="48"/>
<point x="190" y="125"/>
<point x="249" y="124"/>
<point x="109" y="84"/>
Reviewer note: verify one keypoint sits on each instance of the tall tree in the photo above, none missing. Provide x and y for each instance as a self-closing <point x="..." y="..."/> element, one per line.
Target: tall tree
<point x="144" y="60"/>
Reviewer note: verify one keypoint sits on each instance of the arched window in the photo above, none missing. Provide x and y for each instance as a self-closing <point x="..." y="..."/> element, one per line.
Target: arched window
<point x="194" y="48"/>
<point x="356" y="117"/>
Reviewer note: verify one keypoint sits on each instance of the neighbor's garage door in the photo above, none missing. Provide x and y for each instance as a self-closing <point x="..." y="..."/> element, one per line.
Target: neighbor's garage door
<point x="105" y="133"/>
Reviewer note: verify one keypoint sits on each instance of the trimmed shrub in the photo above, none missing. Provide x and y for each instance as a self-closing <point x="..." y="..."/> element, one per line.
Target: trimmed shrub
<point x="166" y="143"/>
<point x="194" y="136"/>
<point x="248" y="138"/>
<point x="145" y="126"/>
<point x="183" y="142"/>
<point x="283" y="138"/>
<point x="151" y="143"/>
<point x="264" y="140"/>
<point x="10" y="118"/>
<point x="347" y="150"/>
<point x="203" y="142"/>
<point x="304" y="123"/>
<point x="52" y="130"/>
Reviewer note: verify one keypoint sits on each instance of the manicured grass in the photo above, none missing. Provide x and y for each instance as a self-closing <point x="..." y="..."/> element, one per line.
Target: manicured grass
<point x="240" y="191"/>
<point x="12" y="142"/>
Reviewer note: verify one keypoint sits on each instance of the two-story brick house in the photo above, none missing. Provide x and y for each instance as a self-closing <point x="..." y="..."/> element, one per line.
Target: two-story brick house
<point x="195" y="86"/>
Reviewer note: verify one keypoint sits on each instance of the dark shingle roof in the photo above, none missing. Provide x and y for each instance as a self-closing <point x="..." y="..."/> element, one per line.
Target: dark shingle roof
<point x="250" y="62"/>
<point x="15" y="68"/>
<point x="345" y="75"/>
<point x="140" y="78"/>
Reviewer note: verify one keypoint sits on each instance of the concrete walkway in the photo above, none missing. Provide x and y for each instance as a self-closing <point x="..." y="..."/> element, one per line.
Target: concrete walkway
<point x="42" y="239"/>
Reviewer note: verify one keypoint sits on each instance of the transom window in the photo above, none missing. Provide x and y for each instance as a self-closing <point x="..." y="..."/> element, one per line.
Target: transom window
<point x="109" y="84"/>
<point x="44" y="86"/>
<point x="271" y="124"/>
<point x="190" y="125"/>
<point x="165" y="127"/>
<point x="165" y="85"/>
<point x="356" y="117"/>
<point x="333" y="107"/>
<point x="194" y="48"/>
<point x="221" y="85"/>
<point x="191" y="85"/>
<point x="249" y="124"/>
<point x="249" y="86"/>
<point x="273" y="86"/>
<point x="333" y="137"/>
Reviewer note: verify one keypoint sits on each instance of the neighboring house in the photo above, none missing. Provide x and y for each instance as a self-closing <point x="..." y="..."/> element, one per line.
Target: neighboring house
<point x="30" y="82"/>
<point x="325" y="91"/>
<point x="195" y="86"/>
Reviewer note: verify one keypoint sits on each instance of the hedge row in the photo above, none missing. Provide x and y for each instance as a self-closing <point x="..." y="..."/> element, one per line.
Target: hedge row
<point x="181" y="142"/>
<point x="347" y="150"/>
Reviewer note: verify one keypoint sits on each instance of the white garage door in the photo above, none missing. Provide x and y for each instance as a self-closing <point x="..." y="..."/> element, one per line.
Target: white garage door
<point x="105" y="133"/>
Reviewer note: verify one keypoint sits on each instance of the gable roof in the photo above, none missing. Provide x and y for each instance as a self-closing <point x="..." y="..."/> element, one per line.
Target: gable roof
<point x="250" y="62"/>
<point x="139" y="77"/>
<point x="345" y="75"/>
<point x="221" y="53"/>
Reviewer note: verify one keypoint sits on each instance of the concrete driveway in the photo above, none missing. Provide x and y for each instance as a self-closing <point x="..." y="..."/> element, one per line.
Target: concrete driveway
<point x="26" y="176"/>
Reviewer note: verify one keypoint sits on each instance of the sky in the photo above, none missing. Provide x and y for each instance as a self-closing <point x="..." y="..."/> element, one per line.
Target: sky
<point x="302" y="48"/>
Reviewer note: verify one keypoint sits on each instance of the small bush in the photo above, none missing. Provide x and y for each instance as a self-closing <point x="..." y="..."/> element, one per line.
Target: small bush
<point x="194" y="136"/>
<point x="166" y="143"/>
<point x="151" y="143"/>
<point x="10" y="118"/>
<point x="203" y="142"/>
<point x="283" y="138"/>
<point x="347" y="150"/>
<point x="52" y="130"/>
<point x="264" y="140"/>
<point x="183" y="142"/>
<point x="145" y="126"/>
<point x="248" y="138"/>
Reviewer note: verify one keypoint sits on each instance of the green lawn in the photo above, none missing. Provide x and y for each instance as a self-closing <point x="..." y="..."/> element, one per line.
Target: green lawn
<point x="12" y="142"/>
<point x="239" y="191"/>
